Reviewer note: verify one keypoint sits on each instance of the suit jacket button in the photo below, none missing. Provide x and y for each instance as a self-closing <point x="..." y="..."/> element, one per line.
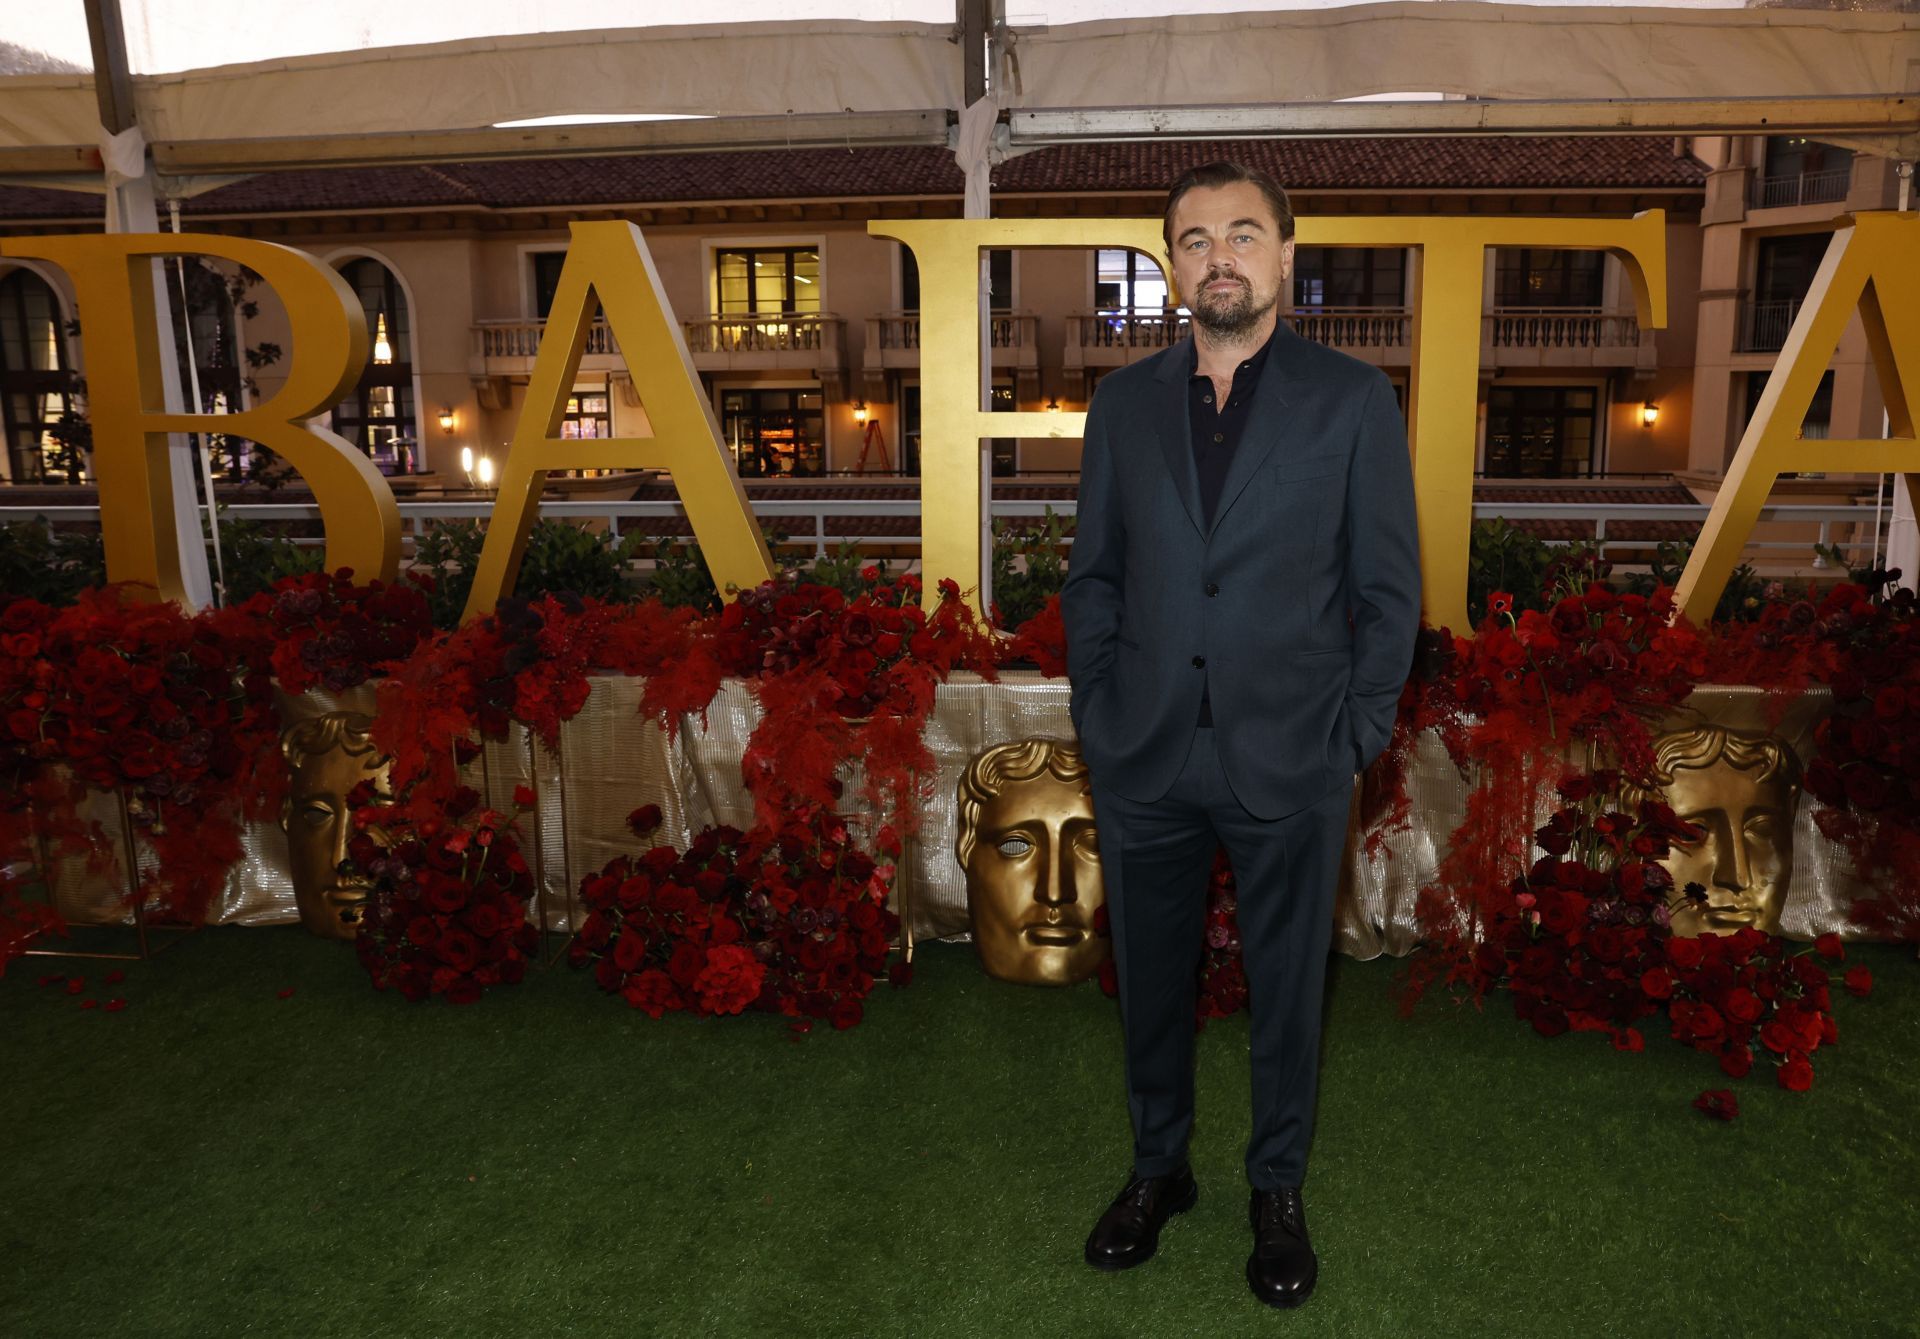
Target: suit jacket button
<point x="1212" y="589"/>
<point x="1199" y="662"/>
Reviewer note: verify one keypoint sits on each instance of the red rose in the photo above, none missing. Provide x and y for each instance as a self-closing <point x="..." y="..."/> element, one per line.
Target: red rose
<point x="653" y="991"/>
<point x="629" y="950"/>
<point x="1777" y="1037"/>
<point x="1719" y="1103"/>
<point x="1657" y="982"/>
<point x="523" y="797"/>
<point x="1743" y="1005"/>
<point x="644" y="819"/>
<point x="686" y="964"/>
<point x="1684" y="953"/>
<point x="731" y="979"/>
<point x="846" y="1012"/>
<point x="1828" y="947"/>
<point x="1796" y="1076"/>
<point x="1736" y="1061"/>
<point x="1859" y="981"/>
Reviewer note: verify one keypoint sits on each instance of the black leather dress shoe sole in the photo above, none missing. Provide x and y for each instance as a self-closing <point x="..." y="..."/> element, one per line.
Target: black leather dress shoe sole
<point x="1112" y="1262"/>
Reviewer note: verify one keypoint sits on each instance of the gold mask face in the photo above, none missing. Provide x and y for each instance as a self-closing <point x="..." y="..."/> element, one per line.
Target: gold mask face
<point x="1032" y="858"/>
<point x="329" y="756"/>
<point x="1742" y="791"/>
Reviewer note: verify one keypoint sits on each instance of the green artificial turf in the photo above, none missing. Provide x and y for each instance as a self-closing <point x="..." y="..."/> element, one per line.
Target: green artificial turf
<point x="217" y="1160"/>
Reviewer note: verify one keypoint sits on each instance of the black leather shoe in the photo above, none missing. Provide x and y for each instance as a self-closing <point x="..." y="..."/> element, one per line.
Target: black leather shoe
<point x="1128" y="1233"/>
<point x="1282" y="1269"/>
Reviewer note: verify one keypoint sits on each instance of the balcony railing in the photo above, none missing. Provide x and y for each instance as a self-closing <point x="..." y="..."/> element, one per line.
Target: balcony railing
<point x="1125" y="330"/>
<point x="750" y="333"/>
<point x="1764" y="325"/>
<point x="895" y="332"/>
<point x="1355" y="327"/>
<point x="1561" y="328"/>
<point x="762" y="332"/>
<point x="1802" y="188"/>
<point x="521" y="339"/>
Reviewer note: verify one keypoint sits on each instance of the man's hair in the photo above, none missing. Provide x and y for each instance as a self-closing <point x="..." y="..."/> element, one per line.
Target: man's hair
<point x="1020" y="760"/>
<point x="1228" y="174"/>
<point x="1705" y="745"/>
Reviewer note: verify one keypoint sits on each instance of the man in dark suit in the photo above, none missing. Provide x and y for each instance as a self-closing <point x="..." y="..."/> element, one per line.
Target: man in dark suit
<point x="1241" y="605"/>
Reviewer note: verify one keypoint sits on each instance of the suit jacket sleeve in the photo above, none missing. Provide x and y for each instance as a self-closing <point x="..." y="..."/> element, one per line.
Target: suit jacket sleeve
<point x="1383" y="571"/>
<point x="1093" y="597"/>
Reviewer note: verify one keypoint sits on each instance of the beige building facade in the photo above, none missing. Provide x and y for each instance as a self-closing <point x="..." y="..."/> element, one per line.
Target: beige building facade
<point x="805" y="330"/>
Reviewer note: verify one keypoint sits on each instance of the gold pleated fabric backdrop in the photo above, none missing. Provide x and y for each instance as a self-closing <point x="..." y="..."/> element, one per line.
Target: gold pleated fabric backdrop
<point x="610" y="761"/>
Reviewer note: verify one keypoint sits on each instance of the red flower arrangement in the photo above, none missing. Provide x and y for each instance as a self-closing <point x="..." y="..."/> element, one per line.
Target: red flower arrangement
<point x="175" y="713"/>
<point x="1584" y="945"/>
<point x="330" y="633"/>
<point x="1509" y="704"/>
<point x="448" y="912"/>
<point x="791" y="921"/>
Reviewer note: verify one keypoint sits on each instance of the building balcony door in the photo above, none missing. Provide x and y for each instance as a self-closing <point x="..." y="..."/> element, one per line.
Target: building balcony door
<point x="1541" y="432"/>
<point x="776" y="433"/>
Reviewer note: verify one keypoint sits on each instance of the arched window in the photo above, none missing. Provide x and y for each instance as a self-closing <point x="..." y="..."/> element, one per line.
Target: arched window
<point x="377" y="415"/>
<point x="36" y="384"/>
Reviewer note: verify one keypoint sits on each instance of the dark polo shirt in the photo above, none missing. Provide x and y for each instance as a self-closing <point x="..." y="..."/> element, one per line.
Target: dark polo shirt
<point x="1217" y="429"/>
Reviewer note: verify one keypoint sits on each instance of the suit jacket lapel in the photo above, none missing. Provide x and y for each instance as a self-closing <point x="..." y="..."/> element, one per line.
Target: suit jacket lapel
<point x="1271" y="421"/>
<point x="1174" y="427"/>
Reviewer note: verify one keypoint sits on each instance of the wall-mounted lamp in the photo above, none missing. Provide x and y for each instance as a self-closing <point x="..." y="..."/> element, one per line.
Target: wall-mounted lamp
<point x="859" y="411"/>
<point x="466" y="462"/>
<point x="446" y="420"/>
<point x="1053" y="405"/>
<point x="1649" y="413"/>
<point x="382" y="347"/>
<point x="486" y="471"/>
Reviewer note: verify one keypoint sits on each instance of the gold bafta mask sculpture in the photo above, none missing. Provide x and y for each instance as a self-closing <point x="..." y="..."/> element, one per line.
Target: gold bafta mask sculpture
<point x="329" y="756"/>
<point x="1743" y="790"/>
<point x="1032" y="859"/>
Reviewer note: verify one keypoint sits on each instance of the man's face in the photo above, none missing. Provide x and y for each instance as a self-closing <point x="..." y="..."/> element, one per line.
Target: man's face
<point x="1745" y="858"/>
<point x="1033" y="883"/>
<point x="1229" y="261"/>
<point x="319" y="825"/>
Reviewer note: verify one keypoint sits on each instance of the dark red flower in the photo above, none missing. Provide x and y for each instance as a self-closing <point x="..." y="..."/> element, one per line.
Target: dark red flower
<point x="1796" y="1075"/>
<point x="1720" y="1103"/>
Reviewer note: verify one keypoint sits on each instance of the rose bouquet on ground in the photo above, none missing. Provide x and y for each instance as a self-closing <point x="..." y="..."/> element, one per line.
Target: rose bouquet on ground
<point x="1583" y="944"/>
<point x="791" y="921"/>
<point x="446" y="913"/>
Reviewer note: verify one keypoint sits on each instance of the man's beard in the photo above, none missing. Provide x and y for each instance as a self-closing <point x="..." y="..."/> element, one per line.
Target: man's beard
<point x="1228" y="316"/>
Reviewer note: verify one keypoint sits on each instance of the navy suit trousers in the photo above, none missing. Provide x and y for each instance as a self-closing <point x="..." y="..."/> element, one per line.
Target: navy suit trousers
<point x="1155" y="858"/>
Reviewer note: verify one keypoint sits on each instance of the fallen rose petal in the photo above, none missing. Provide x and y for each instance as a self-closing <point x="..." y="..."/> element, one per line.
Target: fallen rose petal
<point x="1720" y="1103"/>
<point x="76" y="985"/>
<point x="89" y="1004"/>
<point x="114" y="1006"/>
<point x="1859" y="981"/>
<point x="115" y="977"/>
<point x="287" y="994"/>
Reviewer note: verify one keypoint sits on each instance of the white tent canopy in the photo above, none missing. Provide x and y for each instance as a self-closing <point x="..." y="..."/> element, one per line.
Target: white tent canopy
<point x="891" y="71"/>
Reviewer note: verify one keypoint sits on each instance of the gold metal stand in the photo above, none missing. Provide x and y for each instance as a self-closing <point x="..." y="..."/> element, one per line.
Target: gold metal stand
<point x="547" y="931"/>
<point x="151" y="944"/>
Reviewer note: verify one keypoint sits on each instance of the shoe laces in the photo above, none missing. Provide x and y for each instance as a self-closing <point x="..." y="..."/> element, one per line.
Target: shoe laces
<point x="1283" y="1209"/>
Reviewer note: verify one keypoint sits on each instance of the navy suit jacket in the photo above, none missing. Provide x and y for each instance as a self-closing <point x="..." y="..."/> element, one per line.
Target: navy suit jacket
<point x="1298" y="606"/>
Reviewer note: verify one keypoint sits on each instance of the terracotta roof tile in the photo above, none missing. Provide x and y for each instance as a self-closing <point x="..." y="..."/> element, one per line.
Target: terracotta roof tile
<point x="920" y="170"/>
<point x="1321" y="164"/>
